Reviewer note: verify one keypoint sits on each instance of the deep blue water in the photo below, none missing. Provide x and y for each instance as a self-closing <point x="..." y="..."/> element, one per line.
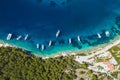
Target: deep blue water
<point x="42" y="18"/>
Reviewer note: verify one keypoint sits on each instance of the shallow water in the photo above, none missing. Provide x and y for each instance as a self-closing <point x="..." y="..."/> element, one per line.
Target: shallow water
<point x="42" y="19"/>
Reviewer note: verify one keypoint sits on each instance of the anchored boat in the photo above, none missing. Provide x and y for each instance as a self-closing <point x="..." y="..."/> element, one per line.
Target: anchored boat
<point x="9" y="36"/>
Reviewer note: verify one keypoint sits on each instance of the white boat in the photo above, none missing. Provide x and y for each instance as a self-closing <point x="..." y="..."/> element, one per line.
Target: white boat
<point x="18" y="38"/>
<point x="42" y="47"/>
<point x="99" y="36"/>
<point x="50" y="43"/>
<point x="58" y="33"/>
<point x="26" y="37"/>
<point x="9" y="36"/>
<point x="37" y="45"/>
<point x="78" y="38"/>
<point x="70" y="41"/>
<point x="107" y="33"/>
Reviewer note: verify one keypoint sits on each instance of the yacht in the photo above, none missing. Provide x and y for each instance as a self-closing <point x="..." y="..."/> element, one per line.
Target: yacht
<point x="70" y="41"/>
<point x="98" y="34"/>
<point x="78" y="38"/>
<point x="37" y="45"/>
<point x="42" y="47"/>
<point x="9" y="36"/>
<point x="58" y="33"/>
<point x="107" y="33"/>
<point x="18" y="38"/>
<point x="26" y="37"/>
<point x="50" y="43"/>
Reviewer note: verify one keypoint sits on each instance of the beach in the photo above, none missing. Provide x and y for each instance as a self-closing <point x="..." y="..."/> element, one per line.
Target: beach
<point x="2" y="44"/>
<point x="95" y="50"/>
<point x="42" y="21"/>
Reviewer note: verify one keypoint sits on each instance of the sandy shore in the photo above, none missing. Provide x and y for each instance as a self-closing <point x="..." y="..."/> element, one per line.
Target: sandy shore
<point x="3" y="44"/>
<point x="96" y="49"/>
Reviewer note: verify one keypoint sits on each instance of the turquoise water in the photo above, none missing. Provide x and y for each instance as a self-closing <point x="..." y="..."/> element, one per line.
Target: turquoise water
<point x="42" y="19"/>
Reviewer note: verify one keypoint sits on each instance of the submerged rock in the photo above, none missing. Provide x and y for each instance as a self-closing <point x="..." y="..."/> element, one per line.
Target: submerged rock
<point x="39" y="1"/>
<point x="53" y="3"/>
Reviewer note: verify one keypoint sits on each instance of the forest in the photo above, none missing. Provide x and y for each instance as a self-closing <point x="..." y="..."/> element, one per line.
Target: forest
<point x="16" y="64"/>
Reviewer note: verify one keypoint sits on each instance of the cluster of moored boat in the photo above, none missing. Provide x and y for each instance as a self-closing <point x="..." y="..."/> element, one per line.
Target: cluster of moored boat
<point x="107" y="33"/>
<point x="9" y="36"/>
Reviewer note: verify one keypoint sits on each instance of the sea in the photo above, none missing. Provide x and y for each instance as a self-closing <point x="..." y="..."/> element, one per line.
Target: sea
<point x="41" y="19"/>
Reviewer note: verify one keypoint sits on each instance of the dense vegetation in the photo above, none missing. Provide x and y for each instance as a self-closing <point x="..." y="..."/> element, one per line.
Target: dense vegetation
<point x="16" y="64"/>
<point x="115" y="51"/>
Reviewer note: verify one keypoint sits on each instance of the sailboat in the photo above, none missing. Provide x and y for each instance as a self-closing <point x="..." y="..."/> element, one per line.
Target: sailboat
<point x="70" y="41"/>
<point x="50" y="43"/>
<point x="42" y="47"/>
<point x="37" y="45"/>
<point x="78" y="38"/>
<point x="26" y="37"/>
<point x="18" y="38"/>
<point x="99" y="36"/>
<point x="107" y="33"/>
<point x="58" y="33"/>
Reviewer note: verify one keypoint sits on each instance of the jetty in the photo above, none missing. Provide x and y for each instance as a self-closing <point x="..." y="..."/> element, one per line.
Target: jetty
<point x="58" y="33"/>
<point x="19" y="37"/>
<point x="9" y="36"/>
<point x="26" y="37"/>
